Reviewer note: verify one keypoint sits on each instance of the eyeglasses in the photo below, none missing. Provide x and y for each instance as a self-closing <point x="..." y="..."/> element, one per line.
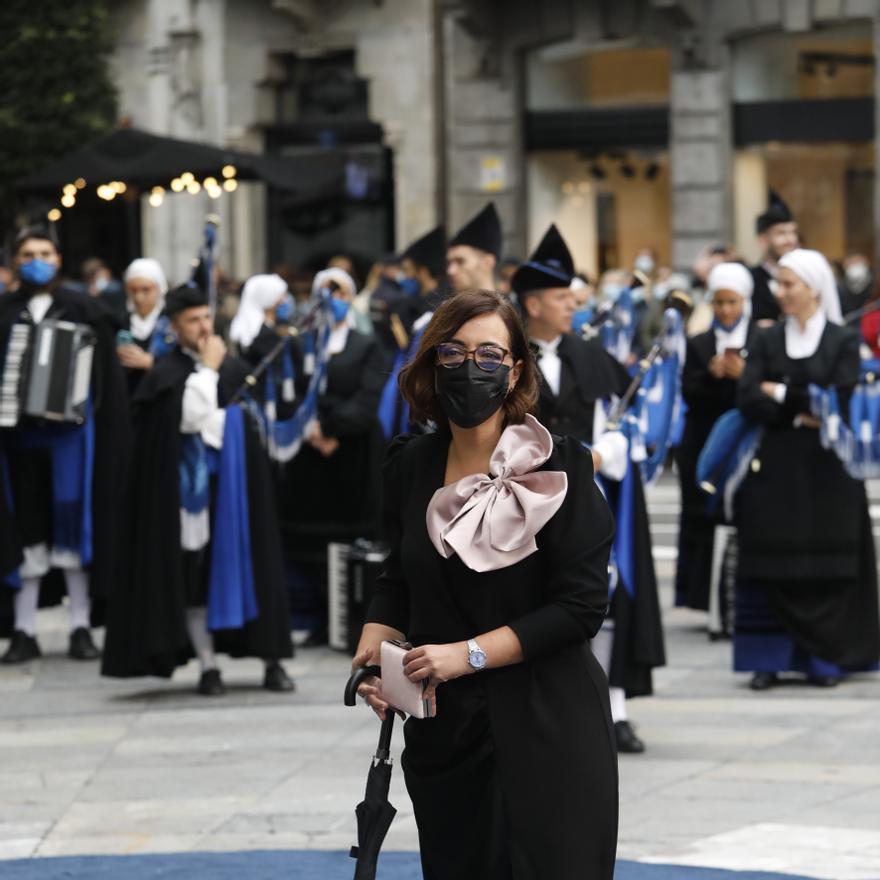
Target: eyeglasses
<point x="488" y="356"/>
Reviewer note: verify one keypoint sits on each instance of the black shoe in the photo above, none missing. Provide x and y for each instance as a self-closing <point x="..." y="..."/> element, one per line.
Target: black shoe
<point x="824" y="681"/>
<point x="211" y="684"/>
<point x="22" y="648"/>
<point x="81" y="645"/>
<point x="762" y="681"/>
<point x="276" y="679"/>
<point x="627" y="741"/>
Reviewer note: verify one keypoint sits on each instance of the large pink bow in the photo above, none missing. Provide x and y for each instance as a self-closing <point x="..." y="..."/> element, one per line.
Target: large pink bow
<point x="491" y="521"/>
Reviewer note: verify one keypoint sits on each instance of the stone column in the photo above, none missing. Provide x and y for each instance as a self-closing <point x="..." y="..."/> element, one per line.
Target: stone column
<point x="700" y="150"/>
<point x="483" y="134"/>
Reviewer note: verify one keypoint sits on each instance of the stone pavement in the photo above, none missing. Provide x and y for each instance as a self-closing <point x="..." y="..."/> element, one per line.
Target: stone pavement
<point x="783" y="781"/>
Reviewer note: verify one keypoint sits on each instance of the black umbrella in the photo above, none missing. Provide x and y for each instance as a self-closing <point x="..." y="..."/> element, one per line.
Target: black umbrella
<point x="374" y="813"/>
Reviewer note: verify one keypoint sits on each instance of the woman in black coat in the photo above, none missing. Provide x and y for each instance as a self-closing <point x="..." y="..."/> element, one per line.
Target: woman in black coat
<point x="499" y="582"/>
<point x="806" y="597"/>
<point x="715" y="361"/>
<point x="145" y="289"/>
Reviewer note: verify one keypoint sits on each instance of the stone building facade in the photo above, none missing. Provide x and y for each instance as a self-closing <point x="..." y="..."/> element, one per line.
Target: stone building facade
<point x="637" y="122"/>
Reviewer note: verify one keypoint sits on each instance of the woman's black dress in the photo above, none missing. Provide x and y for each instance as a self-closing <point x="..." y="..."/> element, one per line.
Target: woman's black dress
<point x="707" y="399"/>
<point x="516" y="777"/>
<point x="807" y="579"/>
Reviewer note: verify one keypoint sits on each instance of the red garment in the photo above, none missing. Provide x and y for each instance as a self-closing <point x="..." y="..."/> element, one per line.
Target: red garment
<point x="871" y="332"/>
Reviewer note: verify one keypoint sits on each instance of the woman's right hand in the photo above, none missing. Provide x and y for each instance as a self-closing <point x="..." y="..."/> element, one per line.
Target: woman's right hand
<point x="369" y="687"/>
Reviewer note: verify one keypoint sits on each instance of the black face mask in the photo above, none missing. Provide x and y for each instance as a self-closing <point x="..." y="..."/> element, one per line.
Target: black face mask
<point x="468" y="395"/>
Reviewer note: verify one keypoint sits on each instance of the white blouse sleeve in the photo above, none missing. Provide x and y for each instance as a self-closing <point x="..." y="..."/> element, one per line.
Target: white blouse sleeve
<point x="200" y="413"/>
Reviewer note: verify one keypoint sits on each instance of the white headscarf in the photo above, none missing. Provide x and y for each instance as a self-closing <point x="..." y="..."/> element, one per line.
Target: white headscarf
<point x="813" y="269"/>
<point x="338" y="276"/>
<point x="148" y="268"/>
<point x="735" y="277"/>
<point x="261" y="292"/>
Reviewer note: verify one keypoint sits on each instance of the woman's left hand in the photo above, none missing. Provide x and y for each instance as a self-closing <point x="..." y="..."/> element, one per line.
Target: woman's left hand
<point x="437" y="663"/>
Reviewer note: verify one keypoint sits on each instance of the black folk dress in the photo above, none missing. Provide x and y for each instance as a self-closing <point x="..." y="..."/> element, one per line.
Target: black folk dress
<point x="516" y="776"/>
<point x="807" y="579"/>
<point x="707" y="399"/>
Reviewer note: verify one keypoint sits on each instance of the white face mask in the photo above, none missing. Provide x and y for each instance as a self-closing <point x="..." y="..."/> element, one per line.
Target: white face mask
<point x="644" y="263"/>
<point x="857" y="274"/>
<point x="611" y="291"/>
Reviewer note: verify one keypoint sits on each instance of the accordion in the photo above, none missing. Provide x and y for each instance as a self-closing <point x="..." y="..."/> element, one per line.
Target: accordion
<point x="47" y="373"/>
<point x="352" y="570"/>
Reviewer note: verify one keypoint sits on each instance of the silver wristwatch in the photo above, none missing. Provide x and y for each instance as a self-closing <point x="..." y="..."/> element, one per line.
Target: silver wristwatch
<point x="476" y="655"/>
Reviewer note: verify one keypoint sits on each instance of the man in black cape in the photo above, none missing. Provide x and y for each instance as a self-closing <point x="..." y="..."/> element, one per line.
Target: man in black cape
<point x="203" y="552"/>
<point x="60" y="485"/>
<point x="777" y="232"/>
<point x="474" y="251"/>
<point x="576" y="377"/>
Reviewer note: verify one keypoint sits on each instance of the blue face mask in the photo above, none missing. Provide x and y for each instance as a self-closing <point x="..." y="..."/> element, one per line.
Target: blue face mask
<point x="339" y="308"/>
<point x="612" y="291"/>
<point x="36" y="272"/>
<point x="409" y="286"/>
<point x="284" y="310"/>
<point x="717" y="325"/>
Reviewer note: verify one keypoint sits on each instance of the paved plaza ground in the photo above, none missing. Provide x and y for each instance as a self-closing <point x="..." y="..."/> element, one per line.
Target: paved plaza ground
<point x="786" y="781"/>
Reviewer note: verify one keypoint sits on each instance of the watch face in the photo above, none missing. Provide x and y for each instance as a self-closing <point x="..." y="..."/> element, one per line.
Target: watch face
<point x="477" y="659"/>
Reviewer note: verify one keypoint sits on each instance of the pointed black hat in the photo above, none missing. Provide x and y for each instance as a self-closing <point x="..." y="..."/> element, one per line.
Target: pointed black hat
<point x="777" y="212"/>
<point x="429" y="251"/>
<point x="549" y="266"/>
<point x="482" y="232"/>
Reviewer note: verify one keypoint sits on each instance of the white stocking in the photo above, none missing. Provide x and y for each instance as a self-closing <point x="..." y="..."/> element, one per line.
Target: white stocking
<point x="26" y="599"/>
<point x="80" y="603"/>
<point x="202" y="640"/>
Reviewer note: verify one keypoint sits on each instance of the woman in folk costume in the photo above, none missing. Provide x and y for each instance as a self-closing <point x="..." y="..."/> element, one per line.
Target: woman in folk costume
<point x="806" y="597"/>
<point x="498" y="576"/>
<point x="255" y="331"/>
<point x="715" y="361"/>
<point x="145" y="289"/>
<point x="330" y="487"/>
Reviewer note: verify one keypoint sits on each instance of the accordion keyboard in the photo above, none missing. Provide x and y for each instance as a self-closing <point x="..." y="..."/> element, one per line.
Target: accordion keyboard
<point x="13" y="371"/>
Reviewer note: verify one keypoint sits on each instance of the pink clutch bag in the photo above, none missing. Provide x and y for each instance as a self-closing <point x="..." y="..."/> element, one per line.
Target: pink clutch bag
<point x="401" y="693"/>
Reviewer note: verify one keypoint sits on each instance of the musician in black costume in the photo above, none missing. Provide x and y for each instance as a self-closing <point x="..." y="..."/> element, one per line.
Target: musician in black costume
<point x="715" y="361"/>
<point x="577" y="376"/>
<point x="806" y="593"/>
<point x="425" y="262"/>
<point x="330" y="488"/>
<point x="474" y="252"/>
<point x="777" y="232"/>
<point x="145" y="289"/>
<point x="63" y="494"/>
<point x="203" y="553"/>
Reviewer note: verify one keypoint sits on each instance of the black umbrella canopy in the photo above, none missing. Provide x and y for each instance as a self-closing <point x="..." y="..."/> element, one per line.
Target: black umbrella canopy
<point x="145" y="160"/>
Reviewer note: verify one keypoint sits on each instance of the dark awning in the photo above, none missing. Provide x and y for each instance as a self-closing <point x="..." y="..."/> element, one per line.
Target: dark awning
<point x="145" y="160"/>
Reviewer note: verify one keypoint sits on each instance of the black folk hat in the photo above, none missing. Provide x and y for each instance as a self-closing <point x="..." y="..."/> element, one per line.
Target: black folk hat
<point x="482" y="232"/>
<point x="186" y="296"/>
<point x="549" y="266"/>
<point x="429" y="251"/>
<point x="777" y="212"/>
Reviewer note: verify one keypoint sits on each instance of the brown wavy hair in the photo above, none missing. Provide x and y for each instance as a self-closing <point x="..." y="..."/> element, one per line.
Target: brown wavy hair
<point x="417" y="378"/>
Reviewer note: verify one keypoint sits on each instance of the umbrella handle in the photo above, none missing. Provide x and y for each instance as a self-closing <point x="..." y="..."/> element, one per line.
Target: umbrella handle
<point x="383" y="751"/>
<point x="357" y="677"/>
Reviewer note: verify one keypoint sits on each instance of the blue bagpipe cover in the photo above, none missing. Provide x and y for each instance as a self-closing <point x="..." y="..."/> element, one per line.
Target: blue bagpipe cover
<point x="725" y="458"/>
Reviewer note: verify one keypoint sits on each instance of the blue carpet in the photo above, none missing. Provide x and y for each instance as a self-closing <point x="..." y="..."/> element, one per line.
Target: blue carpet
<point x="293" y="865"/>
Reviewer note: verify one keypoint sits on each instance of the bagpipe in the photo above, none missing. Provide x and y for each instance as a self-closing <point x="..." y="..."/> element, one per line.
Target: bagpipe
<point x="283" y="437"/>
<point x="649" y="412"/>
